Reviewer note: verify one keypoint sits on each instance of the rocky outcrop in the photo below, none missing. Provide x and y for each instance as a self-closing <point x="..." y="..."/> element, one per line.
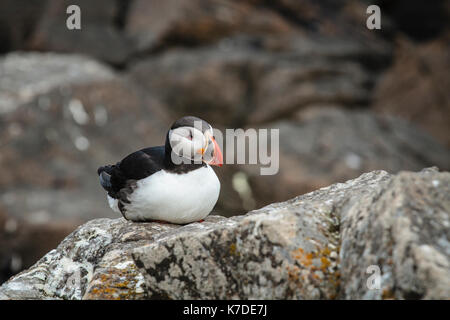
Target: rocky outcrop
<point x="402" y="228"/>
<point x="28" y="75"/>
<point x="323" y="145"/>
<point x="94" y="95"/>
<point x="414" y="88"/>
<point x="65" y="115"/>
<point x="153" y="24"/>
<point x="25" y="241"/>
<point x="316" y="246"/>
<point x="58" y="124"/>
<point x="102" y="20"/>
<point x="247" y="81"/>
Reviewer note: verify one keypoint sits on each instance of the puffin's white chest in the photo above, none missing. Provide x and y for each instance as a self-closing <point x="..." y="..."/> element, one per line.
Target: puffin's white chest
<point x="177" y="198"/>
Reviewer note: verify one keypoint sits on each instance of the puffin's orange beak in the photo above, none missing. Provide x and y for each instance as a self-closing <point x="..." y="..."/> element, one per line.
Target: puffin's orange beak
<point x="217" y="159"/>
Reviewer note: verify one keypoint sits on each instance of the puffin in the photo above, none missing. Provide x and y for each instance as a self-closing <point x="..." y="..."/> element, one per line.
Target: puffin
<point x="173" y="183"/>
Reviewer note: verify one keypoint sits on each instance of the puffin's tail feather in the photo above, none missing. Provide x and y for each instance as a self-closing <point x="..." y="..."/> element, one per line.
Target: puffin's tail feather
<point x="105" y="177"/>
<point x="105" y="181"/>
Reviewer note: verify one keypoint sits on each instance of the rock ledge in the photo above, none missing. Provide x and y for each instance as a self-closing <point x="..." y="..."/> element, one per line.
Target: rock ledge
<point x="320" y="245"/>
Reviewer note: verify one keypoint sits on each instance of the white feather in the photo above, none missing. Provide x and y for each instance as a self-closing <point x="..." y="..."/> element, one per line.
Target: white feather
<point x="113" y="204"/>
<point x="172" y="197"/>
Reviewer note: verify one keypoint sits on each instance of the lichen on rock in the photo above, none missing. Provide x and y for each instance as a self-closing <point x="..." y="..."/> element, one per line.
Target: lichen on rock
<point x="315" y="246"/>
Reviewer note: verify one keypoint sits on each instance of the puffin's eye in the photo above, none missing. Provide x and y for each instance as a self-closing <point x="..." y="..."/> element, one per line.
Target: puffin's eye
<point x="190" y="135"/>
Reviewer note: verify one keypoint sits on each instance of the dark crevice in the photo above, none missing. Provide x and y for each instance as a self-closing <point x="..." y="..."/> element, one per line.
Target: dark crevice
<point x="291" y="16"/>
<point x="420" y="20"/>
<point x="120" y="20"/>
<point x="5" y="40"/>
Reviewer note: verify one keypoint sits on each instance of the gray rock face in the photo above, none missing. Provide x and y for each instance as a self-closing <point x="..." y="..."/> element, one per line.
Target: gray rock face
<point x="243" y="80"/>
<point x="64" y="116"/>
<point x="101" y="18"/>
<point x="26" y="75"/>
<point x="326" y="145"/>
<point x="410" y="92"/>
<point x="153" y="24"/>
<point x="315" y="246"/>
<point x="23" y="242"/>
<point x="402" y="228"/>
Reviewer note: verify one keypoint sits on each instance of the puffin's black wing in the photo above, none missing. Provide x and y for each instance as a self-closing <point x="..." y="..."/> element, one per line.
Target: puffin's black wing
<point x="136" y="166"/>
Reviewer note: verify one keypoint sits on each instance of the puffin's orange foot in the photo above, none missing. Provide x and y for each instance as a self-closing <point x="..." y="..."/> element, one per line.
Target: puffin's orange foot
<point x="201" y="220"/>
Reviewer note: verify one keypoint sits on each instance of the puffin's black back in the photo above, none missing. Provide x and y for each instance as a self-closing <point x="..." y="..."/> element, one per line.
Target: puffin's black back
<point x="137" y="165"/>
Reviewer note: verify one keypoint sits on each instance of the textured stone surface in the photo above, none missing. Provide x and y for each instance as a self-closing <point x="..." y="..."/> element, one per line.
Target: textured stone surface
<point x="415" y="86"/>
<point x="64" y="116"/>
<point x="17" y="20"/>
<point x="315" y="246"/>
<point x="325" y="145"/>
<point x="155" y="24"/>
<point x="100" y="35"/>
<point x="26" y="75"/>
<point x="246" y="80"/>
<point x="403" y="227"/>
<point x="23" y="242"/>
<point x="236" y="63"/>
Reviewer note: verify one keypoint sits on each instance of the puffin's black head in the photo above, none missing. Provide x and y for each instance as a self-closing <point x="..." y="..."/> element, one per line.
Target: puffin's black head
<point x="191" y="139"/>
<point x="191" y="121"/>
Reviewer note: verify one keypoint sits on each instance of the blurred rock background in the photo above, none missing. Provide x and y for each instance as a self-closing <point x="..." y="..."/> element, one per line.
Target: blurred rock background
<point x="346" y="99"/>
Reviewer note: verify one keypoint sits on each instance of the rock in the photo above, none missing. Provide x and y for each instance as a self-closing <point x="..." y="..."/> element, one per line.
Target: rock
<point x="404" y="13"/>
<point x="67" y="116"/>
<point x="154" y="24"/>
<point x="402" y="228"/>
<point x="22" y="242"/>
<point x="319" y="70"/>
<point x="415" y="86"/>
<point x="27" y="75"/>
<point x="247" y="80"/>
<point x="325" y="145"/>
<point x="18" y="19"/>
<point x="100" y="35"/>
<point x="193" y="81"/>
<point x="330" y="18"/>
<point x="315" y="246"/>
